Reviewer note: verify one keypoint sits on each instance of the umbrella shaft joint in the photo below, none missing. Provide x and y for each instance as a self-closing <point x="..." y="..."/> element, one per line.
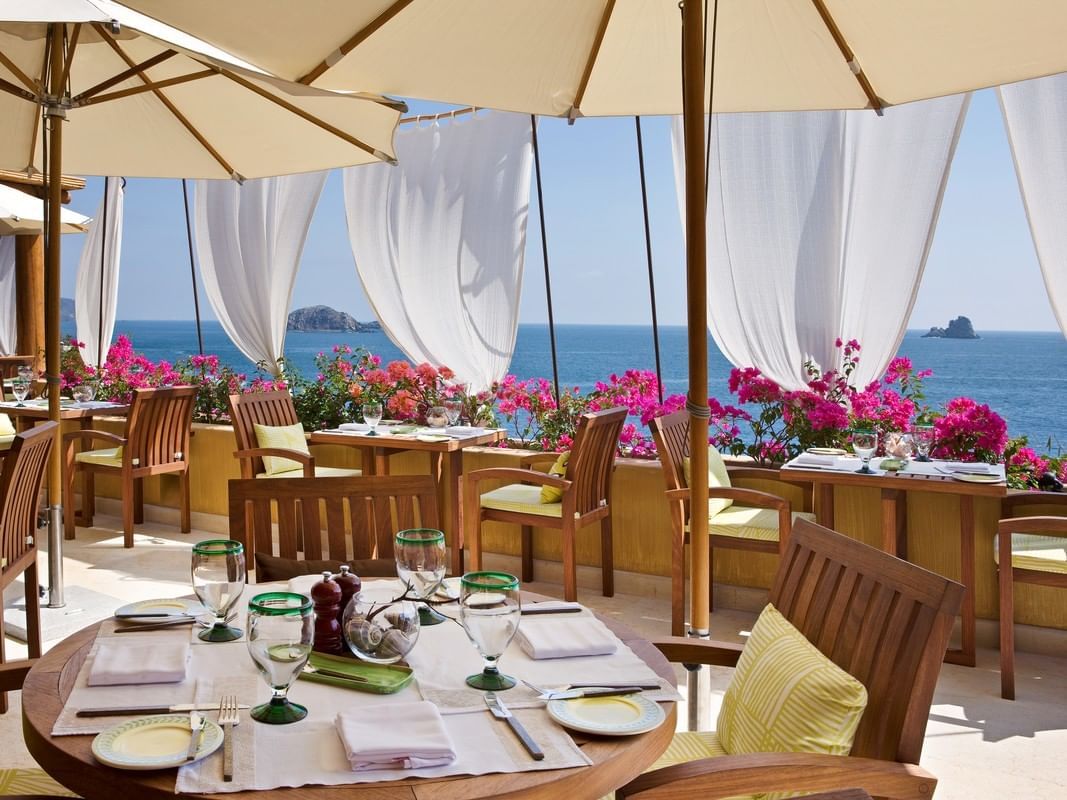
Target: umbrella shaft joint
<point x="56" y="106"/>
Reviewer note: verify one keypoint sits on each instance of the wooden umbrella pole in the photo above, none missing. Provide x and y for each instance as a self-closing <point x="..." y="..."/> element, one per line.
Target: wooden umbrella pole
<point x="648" y="257"/>
<point x="192" y="269"/>
<point x="697" y="306"/>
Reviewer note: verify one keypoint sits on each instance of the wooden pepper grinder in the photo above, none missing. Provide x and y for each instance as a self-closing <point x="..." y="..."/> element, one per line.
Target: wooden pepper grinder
<point x="326" y="595"/>
<point x="350" y="585"/>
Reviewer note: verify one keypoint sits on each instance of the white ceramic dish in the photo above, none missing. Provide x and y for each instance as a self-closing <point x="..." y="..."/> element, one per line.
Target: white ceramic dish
<point x="432" y="437"/>
<point x="165" y="605"/>
<point x="617" y="715"/>
<point x="967" y="477"/>
<point x="156" y="742"/>
<point x="826" y="451"/>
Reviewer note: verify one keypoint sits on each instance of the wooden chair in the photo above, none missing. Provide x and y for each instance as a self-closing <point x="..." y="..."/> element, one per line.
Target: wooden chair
<point x="883" y="620"/>
<point x="362" y="515"/>
<point x="1036" y="549"/>
<point x="155" y="442"/>
<point x="740" y="527"/>
<point x="272" y="409"/>
<point x="20" y="489"/>
<point x="586" y="488"/>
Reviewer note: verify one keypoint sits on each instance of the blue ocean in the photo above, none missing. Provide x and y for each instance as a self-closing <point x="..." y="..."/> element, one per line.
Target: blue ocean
<point x="1023" y="376"/>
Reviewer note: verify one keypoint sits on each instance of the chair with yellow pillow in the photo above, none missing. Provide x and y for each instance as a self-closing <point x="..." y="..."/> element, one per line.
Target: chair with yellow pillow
<point x="833" y="687"/>
<point x="576" y="492"/>
<point x="738" y="519"/>
<point x="7" y="434"/>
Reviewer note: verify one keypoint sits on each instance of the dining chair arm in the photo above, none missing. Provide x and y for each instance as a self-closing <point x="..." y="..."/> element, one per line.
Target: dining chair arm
<point x="687" y="650"/>
<point x="516" y="475"/>
<point x="530" y="459"/>
<point x="1039" y="526"/>
<point x="306" y="461"/>
<point x="749" y="497"/>
<point x="758" y="773"/>
<point x="90" y="434"/>
<point x="13" y="674"/>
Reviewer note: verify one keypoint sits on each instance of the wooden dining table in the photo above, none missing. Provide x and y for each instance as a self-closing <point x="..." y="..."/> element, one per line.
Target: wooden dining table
<point x="33" y="411"/>
<point x="69" y="760"/>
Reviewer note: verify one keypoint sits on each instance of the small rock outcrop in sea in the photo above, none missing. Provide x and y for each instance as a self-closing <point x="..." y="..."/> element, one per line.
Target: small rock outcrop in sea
<point x="959" y="328"/>
<point x="324" y="318"/>
<point x="66" y="309"/>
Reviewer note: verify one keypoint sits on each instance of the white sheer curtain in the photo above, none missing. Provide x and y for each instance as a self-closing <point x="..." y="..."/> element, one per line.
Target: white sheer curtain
<point x="249" y="238"/>
<point x="8" y="326"/>
<point x="100" y="270"/>
<point x="819" y="225"/>
<point x="1035" y="114"/>
<point x="439" y="240"/>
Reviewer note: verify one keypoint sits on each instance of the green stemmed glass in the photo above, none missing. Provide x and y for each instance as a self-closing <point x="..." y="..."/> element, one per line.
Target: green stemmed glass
<point x="281" y="629"/>
<point x="420" y="564"/>
<point x="489" y="609"/>
<point x="218" y="579"/>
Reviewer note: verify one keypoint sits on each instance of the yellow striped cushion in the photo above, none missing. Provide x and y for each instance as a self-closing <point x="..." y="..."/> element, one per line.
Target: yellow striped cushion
<point x="718" y="478"/>
<point x="550" y="494"/>
<point x="106" y="457"/>
<point x="787" y="697"/>
<point x="1041" y="553"/>
<point x="742" y="522"/>
<point x="320" y="472"/>
<point x="284" y="437"/>
<point x="6" y="426"/>
<point x="5" y="441"/>
<point x="521" y="498"/>
<point x="30" y="782"/>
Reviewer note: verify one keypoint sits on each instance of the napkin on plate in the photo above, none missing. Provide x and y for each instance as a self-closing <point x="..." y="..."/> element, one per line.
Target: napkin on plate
<point x="395" y="736"/>
<point x="121" y="662"/>
<point x="564" y="638"/>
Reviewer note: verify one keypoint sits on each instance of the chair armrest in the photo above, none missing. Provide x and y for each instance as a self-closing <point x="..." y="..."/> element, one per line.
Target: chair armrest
<point x="689" y="650"/>
<point x="527" y="461"/>
<point x="515" y="475"/>
<point x="90" y="435"/>
<point x="307" y="461"/>
<point x="13" y="674"/>
<point x="1040" y="526"/>
<point x="765" y="474"/>
<point x="750" y="497"/>
<point x="729" y="776"/>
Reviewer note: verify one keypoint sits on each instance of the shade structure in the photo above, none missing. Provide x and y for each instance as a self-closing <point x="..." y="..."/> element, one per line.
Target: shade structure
<point x="95" y="88"/>
<point x="23" y="213"/>
<point x="614" y="57"/>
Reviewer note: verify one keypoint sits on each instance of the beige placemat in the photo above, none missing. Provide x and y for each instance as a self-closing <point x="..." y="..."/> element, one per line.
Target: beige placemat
<point x="206" y="775"/>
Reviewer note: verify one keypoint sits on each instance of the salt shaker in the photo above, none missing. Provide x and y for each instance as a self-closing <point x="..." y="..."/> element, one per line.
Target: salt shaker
<point x="326" y="595"/>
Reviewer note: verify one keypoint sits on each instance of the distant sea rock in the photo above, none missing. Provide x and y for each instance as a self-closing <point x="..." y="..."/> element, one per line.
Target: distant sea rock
<point x="324" y="318"/>
<point x="66" y="309"/>
<point x="959" y="328"/>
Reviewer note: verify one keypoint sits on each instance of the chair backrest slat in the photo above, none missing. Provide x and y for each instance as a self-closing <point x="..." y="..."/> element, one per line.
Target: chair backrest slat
<point x="158" y="426"/>
<point x="671" y="434"/>
<point x="20" y="487"/>
<point x="273" y="409"/>
<point x="593" y="458"/>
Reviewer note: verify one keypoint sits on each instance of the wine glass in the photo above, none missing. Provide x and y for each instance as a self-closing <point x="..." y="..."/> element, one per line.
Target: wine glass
<point x="420" y="563"/>
<point x="922" y="436"/>
<point x="372" y="415"/>
<point x="25" y="372"/>
<point x="83" y="393"/>
<point x="281" y="630"/>
<point x="21" y="389"/>
<point x="865" y="443"/>
<point x="453" y="410"/>
<point x="218" y="580"/>
<point x="489" y="609"/>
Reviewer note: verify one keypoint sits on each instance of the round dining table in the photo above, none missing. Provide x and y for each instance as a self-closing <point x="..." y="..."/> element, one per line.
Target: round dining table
<point x="69" y="760"/>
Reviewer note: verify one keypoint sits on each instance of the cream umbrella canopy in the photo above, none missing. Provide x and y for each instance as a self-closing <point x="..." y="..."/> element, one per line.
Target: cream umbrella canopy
<point x="24" y="213"/>
<point x="95" y="88"/>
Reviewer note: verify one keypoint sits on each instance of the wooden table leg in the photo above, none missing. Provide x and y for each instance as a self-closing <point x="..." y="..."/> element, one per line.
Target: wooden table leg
<point x="965" y="656"/>
<point x="824" y="507"/>
<point x="373" y="461"/>
<point x="447" y="469"/>
<point x="895" y="523"/>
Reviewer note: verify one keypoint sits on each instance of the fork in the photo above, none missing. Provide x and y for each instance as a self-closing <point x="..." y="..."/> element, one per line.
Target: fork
<point x="229" y="716"/>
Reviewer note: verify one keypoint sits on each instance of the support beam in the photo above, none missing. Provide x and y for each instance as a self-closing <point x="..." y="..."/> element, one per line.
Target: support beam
<point x="29" y="296"/>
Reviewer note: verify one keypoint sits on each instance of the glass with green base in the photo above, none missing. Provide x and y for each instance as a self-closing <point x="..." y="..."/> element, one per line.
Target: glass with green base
<point x="281" y="629"/>
<point x="421" y="561"/>
<point x="218" y="571"/>
<point x="489" y="609"/>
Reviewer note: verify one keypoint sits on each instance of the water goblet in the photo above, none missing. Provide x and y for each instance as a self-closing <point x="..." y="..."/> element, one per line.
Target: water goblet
<point x="83" y="393"/>
<point x="281" y="630"/>
<point x="489" y="609"/>
<point x="25" y="372"/>
<point x="218" y="580"/>
<point x="865" y="443"/>
<point x="372" y="415"/>
<point x="922" y="437"/>
<point x="437" y="417"/>
<point x="21" y="389"/>
<point x="453" y="410"/>
<point x="420" y="564"/>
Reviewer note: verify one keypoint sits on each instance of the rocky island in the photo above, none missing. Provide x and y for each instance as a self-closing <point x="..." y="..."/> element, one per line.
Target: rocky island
<point x="324" y="318"/>
<point x="959" y="328"/>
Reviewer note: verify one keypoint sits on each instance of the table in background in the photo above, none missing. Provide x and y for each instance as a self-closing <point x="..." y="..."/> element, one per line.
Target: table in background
<point x="34" y="411"/>
<point x="894" y="487"/>
<point x="374" y="451"/>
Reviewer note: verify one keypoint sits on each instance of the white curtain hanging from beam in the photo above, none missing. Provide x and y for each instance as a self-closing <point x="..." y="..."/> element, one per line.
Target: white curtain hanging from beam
<point x="8" y="322"/>
<point x="249" y="239"/>
<point x="819" y="226"/>
<point x="439" y="240"/>
<point x="98" y="269"/>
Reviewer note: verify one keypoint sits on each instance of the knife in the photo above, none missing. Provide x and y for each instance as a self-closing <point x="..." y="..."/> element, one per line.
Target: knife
<point x="197" y="724"/>
<point x="593" y="691"/>
<point x="125" y="711"/>
<point x="500" y="711"/>
<point x="531" y="610"/>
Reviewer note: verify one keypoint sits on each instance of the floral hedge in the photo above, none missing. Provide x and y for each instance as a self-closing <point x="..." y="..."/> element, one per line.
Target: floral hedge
<point x="763" y="421"/>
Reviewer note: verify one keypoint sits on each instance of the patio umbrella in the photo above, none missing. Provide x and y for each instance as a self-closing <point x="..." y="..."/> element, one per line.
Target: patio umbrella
<point x="615" y="57"/>
<point x="24" y="213"/>
<point x="94" y="88"/>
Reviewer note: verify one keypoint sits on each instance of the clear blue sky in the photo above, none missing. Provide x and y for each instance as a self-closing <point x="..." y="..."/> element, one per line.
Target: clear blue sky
<point x="982" y="263"/>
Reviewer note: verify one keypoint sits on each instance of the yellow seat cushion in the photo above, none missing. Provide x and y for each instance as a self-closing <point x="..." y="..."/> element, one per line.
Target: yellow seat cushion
<point x="5" y="440"/>
<point x="550" y="494"/>
<point x="320" y="472"/>
<point x="30" y="782"/>
<point x="787" y="697"/>
<point x="742" y="522"/>
<point x="1041" y="553"/>
<point x="718" y="478"/>
<point x="106" y="457"/>
<point x="7" y="428"/>
<point x="282" y="437"/>
<point x="521" y="498"/>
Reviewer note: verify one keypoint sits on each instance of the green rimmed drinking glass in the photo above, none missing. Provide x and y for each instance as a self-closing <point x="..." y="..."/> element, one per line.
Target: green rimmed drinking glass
<point x="218" y="571"/>
<point x="489" y="609"/>
<point x="281" y="629"/>
<point x="420" y="563"/>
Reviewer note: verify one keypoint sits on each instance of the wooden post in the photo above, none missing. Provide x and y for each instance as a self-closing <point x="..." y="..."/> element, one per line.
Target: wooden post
<point x="29" y="296"/>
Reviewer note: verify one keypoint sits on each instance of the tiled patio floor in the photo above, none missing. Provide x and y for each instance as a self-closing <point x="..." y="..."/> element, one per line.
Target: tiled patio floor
<point x="978" y="745"/>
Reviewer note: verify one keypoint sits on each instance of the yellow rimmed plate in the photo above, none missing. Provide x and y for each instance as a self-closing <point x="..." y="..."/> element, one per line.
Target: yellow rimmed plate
<point x="163" y="605"/>
<point x="826" y="451"/>
<point x="973" y="478"/>
<point x="617" y="715"/>
<point x="432" y="437"/>
<point x="156" y="742"/>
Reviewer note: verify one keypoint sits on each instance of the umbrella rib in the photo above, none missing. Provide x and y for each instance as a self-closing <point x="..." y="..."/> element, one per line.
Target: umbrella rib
<point x="136" y="69"/>
<point x="850" y="57"/>
<point x="352" y="140"/>
<point x="18" y="91"/>
<point x="18" y="73"/>
<point x="166" y="102"/>
<point x="354" y="41"/>
<point x="149" y="87"/>
<point x="601" y="31"/>
<point x="72" y="45"/>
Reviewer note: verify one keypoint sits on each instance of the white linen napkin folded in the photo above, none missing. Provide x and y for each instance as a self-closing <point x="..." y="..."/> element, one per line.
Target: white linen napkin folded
<point x="564" y="638"/>
<point x="355" y="427"/>
<point x="970" y="468"/>
<point x="118" y="662"/>
<point x="395" y="736"/>
<point x="547" y="606"/>
<point x="814" y="460"/>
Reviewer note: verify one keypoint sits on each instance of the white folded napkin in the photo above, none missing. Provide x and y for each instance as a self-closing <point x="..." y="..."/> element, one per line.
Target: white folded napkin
<point x="554" y="637"/>
<point x="814" y="460"/>
<point x="552" y="605"/>
<point x="395" y="736"/>
<point x="355" y="427"/>
<point x="464" y="430"/>
<point x="970" y="468"/>
<point x="119" y="662"/>
<point x="302" y="584"/>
